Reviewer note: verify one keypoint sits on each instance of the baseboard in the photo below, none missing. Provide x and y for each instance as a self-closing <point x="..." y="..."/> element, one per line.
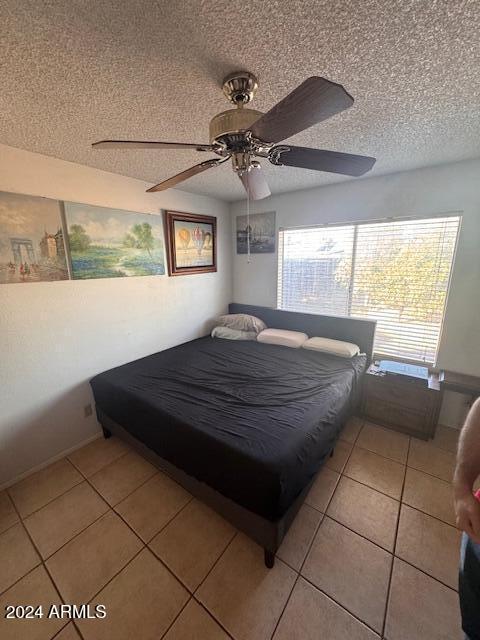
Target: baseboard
<point x="42" y="465"/>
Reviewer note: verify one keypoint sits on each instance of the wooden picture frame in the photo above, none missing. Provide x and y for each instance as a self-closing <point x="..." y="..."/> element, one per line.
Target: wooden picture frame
<point x="191" y="241"/>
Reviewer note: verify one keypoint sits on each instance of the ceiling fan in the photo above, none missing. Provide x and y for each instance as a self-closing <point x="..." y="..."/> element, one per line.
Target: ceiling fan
<point x="242" y="134"/>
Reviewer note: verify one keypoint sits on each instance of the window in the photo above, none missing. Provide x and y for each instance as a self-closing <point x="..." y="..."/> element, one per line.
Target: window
<point x="396" y="272"/>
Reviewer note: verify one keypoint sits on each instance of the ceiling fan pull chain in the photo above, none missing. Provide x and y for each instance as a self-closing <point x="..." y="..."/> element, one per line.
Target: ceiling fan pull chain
<point x="248" y="224"/>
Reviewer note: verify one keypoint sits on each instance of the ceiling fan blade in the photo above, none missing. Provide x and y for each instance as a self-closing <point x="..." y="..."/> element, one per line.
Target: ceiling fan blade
<point x="314" y="100"/>
<point x="146" y="144"/>
<point x="188" y="173"/>
<point x="255" y="184"/>
<point x="321" y="160"/>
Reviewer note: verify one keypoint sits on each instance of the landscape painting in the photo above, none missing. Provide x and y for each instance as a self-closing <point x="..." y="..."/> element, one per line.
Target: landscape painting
<point x="112" y="243"/>
<point x="32" y="245"/>
<point x="259" y="231"/>
<point x="191" y="243"/>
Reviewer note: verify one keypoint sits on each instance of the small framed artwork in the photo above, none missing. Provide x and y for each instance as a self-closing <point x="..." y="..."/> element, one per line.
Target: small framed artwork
<point x="256" y="234"/>
<point x="191" y="243"/>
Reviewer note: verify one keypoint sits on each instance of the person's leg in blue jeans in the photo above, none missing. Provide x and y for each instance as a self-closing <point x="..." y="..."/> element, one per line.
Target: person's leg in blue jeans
<point x="469" y="587"/>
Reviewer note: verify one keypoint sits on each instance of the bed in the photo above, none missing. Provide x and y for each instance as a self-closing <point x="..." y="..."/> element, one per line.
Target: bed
<point x="244" y="426"/>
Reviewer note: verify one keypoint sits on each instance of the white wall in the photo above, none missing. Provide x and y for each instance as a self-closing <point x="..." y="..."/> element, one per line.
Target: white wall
<point x="454" y="187"/>
<point x="54" y="336"/>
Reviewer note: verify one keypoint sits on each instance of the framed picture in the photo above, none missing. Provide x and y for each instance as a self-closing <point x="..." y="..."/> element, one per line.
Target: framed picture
<point x="113" y="243"/>
<point x="259" y="231"/>
<point x="191" y="243"/>
<point x="32" y="247"/>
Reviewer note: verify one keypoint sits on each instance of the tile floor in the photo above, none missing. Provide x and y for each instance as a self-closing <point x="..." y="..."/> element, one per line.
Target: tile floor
<point x="371" y="554"/>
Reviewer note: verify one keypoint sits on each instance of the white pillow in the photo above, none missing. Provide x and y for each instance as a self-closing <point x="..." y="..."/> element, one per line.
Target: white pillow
<point x="335" y="347"/>
<point x="242" y="322"/>
<point x="233" y="334"/>
<point x="283" y="337"/>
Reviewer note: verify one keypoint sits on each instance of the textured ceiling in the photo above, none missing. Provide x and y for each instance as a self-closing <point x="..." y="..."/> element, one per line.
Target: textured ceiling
<point x="77" y="71"/>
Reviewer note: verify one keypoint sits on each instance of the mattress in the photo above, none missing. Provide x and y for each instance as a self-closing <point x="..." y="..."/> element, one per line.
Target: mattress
<point x="253" y="421"/>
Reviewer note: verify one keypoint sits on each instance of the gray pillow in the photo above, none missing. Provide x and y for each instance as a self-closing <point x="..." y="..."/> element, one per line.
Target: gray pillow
<point x="242" y="322"/>
<point x="233" y="334"/>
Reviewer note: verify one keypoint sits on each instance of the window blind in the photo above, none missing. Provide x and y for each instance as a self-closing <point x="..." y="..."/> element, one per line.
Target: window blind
<point x="395" y="272"/>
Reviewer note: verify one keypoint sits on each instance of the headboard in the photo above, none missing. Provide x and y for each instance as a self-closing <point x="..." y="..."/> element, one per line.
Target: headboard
<point x="361" y="332"/>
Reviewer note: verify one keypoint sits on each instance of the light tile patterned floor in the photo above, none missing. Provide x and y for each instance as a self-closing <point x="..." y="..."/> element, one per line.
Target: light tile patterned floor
<point x="371" y="554"/>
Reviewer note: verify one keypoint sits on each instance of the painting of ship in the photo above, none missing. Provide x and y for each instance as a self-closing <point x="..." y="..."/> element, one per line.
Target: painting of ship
<point x="257" y="233"/>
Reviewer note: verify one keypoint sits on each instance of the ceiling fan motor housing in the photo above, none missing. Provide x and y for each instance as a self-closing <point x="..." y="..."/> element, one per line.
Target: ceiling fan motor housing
<point x="229" y="127"/>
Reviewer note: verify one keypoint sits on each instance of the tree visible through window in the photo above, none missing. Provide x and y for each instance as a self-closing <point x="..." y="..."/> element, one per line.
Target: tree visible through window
<point x="395" y="272"/>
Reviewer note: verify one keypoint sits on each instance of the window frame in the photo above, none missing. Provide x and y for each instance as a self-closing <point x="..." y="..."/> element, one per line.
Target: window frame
<point x="357" y="223"/>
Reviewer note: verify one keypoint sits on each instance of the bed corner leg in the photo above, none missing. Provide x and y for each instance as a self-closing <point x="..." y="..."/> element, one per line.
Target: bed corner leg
<point x="332" y="452"/>
<point x="106" y="433"/>
<point x="269" y="558"/>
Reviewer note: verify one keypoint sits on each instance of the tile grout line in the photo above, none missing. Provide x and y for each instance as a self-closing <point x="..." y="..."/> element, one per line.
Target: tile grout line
<point x="122" y="455"/>
<point x="425" y="573"/>
<point x="236" y="532"/>
<point x="197" y="599"/>
<point x="213" y="617"/>
<point x="360" y="535"/>
<point x="112" y="506"/>
<point x="329" y="501"/>
<point x="388" y="496"/>
<point x="430" y="475"/>
<point x="84" y="478"/>
<point x="391" y="553"/>
<point x="190" y="597"/>
<point x="144" y="544"/>
<point x="342" y="606"/>
<point x="158" y="471"/>
<point x="389" y="588"/>
<point x="164" y="526"/>
<point x="46" y="503"/>
<point x="211" y="613"/>
<point x="429" y="442"/>
<point x="448" y="524"/>
<point x="129" y="450"/>
<point x="77" y="534"/>
<point x="384" y="494"/>
<point x="44" y="560"/>
<point x="326" y="515"/>
<point x="42" y="564"/>
<point x="192" y="594"/>
<point x="22" y="520"/>
<point x="299" y="574"/>
<point x="92" y="598"/>
<point x="63" y="629"/>
<point x="110" y="509"/>
<point x="405" y="464"/>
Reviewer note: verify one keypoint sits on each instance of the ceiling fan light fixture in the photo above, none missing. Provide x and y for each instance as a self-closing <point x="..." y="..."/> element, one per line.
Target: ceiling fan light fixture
<point x="241" y="162"/>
